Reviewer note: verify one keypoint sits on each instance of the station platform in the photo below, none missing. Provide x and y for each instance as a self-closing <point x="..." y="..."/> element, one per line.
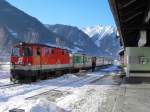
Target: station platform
<point x="126" y="96"/>
<point x="133" y="98"/>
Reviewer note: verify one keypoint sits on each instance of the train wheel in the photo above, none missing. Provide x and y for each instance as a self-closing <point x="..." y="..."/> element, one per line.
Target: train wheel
<point x="76" y="70"/>
<point x="58" y="73"/>
<point x="49" y="74"/>
<point x="33" y="78"/>
<point x="12" y="79"/>
<point x="66" y="71"/>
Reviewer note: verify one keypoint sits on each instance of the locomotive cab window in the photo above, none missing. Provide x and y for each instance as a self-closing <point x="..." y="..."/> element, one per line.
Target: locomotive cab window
<point x="15" y="52"/>
<point x="63" y="52"/>
<point x="52" y="51"/>
<point x="37" y="52"/>
<point x="67" y="52"/>
<point x="26" y="51"/>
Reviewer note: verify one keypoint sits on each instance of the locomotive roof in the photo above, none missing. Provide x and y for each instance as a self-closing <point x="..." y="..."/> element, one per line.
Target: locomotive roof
<point x="51" y="46"/>
<point x="36" y="44"/>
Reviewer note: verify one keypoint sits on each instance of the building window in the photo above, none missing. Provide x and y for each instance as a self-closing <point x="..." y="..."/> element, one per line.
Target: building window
<point x="144" y="60"/>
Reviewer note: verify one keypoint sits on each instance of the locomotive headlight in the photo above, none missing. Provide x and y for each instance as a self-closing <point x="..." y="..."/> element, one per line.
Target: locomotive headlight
<point x="20" y="60"/>
<point x="20" y="63"/>
<point x="70" y="55"/>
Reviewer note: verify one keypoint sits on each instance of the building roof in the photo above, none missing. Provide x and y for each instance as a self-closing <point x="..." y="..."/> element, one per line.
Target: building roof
<point x="130" y="17"/>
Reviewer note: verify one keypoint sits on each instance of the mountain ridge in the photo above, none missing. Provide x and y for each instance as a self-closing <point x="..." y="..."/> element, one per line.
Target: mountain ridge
<point x="76" y="36"/>
<point x="17" y="26"/>
<point x="104" y="37"/>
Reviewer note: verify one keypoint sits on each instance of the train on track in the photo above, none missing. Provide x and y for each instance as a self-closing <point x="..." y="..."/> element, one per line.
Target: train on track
<point x="36" y="61"/>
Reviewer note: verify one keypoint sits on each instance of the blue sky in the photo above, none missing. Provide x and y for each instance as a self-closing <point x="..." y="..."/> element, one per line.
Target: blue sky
<point x="81" y="13"/>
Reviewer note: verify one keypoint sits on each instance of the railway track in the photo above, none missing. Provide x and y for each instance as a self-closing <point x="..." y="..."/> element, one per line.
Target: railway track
<point x="53" y="88"/>
<point x="47" y="86"/>
<point x="9" y="86"/>
<point x="17" y="84"/>
<point x="78" y="82"/>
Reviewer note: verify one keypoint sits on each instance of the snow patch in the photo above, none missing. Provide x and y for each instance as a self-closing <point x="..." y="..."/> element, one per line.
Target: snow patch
<point x="76" y="49"/>
<point x="112" y="69"/>
<point x="10" y="98"/>
<point x="11" y="104"/>
<point x="4" y="74"/>
<point x="95" y="74"/>
<point x="13" y="33"/>
<point x="43" y="105"/>
<point x="39" y="105"/>
<point x="99" y="29"/>
<point x="97" y="33"/>
<point x="68" y="100"/>
<point x="70" y="76"/>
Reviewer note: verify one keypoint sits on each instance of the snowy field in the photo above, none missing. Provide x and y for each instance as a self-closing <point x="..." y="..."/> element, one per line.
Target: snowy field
<point x="68" y="93"/>
<point x="4" y="66"/>
<point x="4" y="74"/>
<point x="4" y="70"/>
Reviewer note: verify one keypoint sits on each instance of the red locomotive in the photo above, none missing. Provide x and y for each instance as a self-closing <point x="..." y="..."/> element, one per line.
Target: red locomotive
<point x="36" y="61"/>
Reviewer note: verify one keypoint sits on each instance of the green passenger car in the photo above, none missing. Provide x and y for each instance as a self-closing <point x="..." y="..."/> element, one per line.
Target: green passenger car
<point x="78" y="60"/>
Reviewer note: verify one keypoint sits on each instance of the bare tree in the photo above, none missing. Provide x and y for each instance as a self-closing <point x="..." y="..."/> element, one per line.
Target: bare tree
<point x="31" y="36"/>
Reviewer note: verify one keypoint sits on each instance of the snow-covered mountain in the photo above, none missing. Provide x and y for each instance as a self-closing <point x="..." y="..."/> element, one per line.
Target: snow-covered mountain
<point x="97" y="33"/>
<point x="98" y="40"/>
<point x="104" y="37"/>
<point x="77" y="37"/>
<point x="17" y="26"/>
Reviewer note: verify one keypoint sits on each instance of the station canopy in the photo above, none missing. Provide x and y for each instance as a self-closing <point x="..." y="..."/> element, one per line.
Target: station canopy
<point x="131" y="17"/>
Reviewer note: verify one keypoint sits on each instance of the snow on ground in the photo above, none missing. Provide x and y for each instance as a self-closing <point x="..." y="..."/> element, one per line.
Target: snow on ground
<point x="98" y="96"/>
<point x="4" y="74"/>
<point x="4" y="66"/>
<point x="40" y="105"/>
<point x="81" y="97"/>
<point x="89" y="98"/>
<point x="5" y="81"/>
<point x="114" y="68"/>
<point x="4" y="78"/>
<point x="4" y="70"/>
<point x="9" y="95"/>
